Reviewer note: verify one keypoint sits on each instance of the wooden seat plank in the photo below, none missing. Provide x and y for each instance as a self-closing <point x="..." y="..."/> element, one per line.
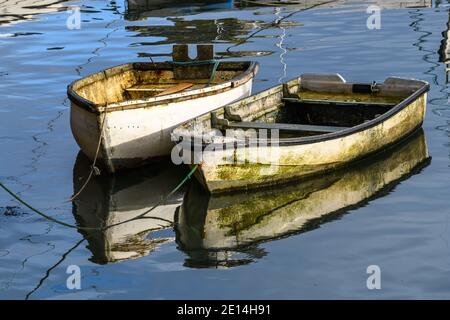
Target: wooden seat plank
<point x="283" y="127"/>
<point x="178" y="88"/>
<point x="145" y="89"/>
<point x="338" y="103"/>
<point x="164" y="91"/>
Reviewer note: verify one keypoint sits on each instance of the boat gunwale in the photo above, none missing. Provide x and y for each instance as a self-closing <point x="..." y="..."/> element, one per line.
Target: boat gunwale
<point x="310" y="139"/>
<point x="97" y="108"/>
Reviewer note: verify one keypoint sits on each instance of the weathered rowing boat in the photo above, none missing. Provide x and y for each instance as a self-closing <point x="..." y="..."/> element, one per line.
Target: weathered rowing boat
<point x="307" y="126"/>
<point x="132" y="108"/>
<point x="226" y="230"/>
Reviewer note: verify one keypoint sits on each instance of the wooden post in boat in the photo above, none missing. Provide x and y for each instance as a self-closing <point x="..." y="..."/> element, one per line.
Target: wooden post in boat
<point x="180" y="53"/>
<point x="205" y="52"/>
<point x="198" y="68"/>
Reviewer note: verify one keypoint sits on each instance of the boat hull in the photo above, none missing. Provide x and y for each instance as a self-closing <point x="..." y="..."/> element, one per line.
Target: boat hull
<point x="296" y="161"/>
<point x="134" y="137"/>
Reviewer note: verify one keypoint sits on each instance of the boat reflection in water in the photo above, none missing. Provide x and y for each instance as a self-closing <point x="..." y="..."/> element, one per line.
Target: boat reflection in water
<point x="108" y="200"/>
<point x="225" y="231"/>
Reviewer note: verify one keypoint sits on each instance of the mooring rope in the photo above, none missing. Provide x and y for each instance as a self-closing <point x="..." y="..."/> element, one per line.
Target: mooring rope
<point x="163" y="200"/>
<point x="50" y="218"/>
<point x="29" y="206"/>
<point x="93" y="167"/>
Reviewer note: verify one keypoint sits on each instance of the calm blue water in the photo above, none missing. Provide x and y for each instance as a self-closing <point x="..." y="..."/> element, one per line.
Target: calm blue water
<point x="404" y="229"/>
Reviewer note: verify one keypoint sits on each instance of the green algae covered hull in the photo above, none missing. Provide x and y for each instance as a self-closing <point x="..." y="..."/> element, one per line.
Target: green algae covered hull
<point x="305" y="127"/>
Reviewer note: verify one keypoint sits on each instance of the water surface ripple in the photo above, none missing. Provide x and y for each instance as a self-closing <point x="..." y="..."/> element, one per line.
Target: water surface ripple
<point x="308" y="241"/>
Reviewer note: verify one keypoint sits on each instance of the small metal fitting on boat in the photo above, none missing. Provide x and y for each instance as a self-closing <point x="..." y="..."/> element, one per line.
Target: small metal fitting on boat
<point x="374" y="87"/>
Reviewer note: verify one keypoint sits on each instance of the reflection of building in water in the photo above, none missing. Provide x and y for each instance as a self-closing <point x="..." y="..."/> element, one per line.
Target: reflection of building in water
<point x="230" y="29"/>
<point x="397" y="4"/>
<point x="385" y="4"/>
<point x="19" y="10"/>
<point x="141" y="9"/>
<point x="108" y="200"/>
<point x="213" y="230"/>
<point x="196" y="31"/>
<point x="444" y="49"/>
<point x="181" y="31"/>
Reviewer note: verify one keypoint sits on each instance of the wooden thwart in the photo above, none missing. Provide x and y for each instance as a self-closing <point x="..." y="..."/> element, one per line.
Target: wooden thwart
<point x="178" y="88"/>
<point x="283" y="127"/>
<point x="164" y="91"/>
<point x="145" y="89"/>
<point x="338" y="103"/>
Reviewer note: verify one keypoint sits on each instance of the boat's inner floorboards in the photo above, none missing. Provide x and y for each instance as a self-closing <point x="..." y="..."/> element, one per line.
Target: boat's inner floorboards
<point x="137" y="81"/>
<point x="143" y="91"/>
<point x="306" y="117"/>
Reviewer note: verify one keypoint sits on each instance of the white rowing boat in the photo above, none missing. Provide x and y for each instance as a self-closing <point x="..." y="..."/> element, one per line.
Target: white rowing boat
<point x="132" y="108"/>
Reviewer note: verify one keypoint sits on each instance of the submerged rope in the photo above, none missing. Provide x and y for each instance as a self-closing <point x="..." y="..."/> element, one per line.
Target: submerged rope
<point x="50" y="218"/>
